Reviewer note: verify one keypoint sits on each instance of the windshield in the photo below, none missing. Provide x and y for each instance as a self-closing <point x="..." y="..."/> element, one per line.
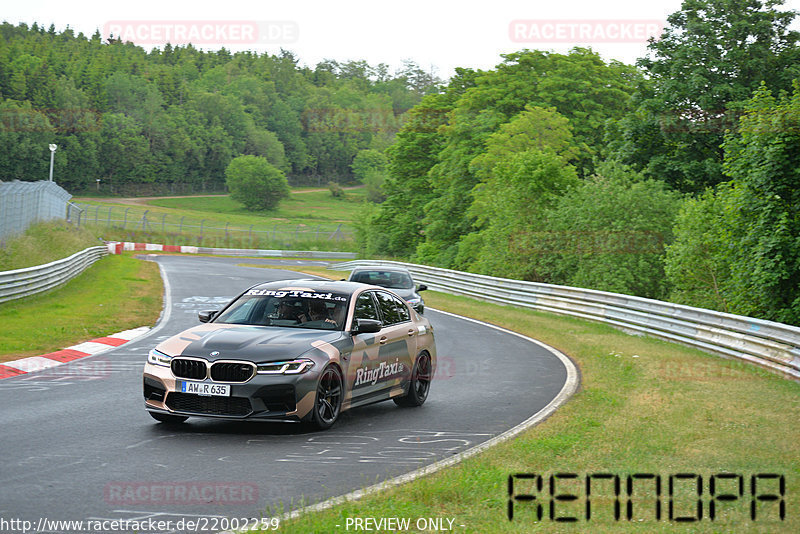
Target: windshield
<point x="390" y="279"/>
<point x="294" y="309"/>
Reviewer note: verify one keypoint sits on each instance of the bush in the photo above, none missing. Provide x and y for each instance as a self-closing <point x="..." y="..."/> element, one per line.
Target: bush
<point x="335" y="189"/>
<point x="256" y="183"/>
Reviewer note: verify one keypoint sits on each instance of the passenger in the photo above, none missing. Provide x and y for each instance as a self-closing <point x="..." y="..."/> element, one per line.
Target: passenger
<point x="318" y="311"/>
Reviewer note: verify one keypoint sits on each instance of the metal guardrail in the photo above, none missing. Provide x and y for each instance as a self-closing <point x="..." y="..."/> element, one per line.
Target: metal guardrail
<point x="31" y="280"/>
<point x="771" y="345"/>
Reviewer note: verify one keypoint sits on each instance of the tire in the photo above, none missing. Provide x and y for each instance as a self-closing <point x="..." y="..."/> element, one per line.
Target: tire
<point x="328" y="401"/>
<point x="420" y="383"/>
<point x="167" y="418"/>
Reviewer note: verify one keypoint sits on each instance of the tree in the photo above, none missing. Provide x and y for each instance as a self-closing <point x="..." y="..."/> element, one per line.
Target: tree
<point x="124" y="154"/>
<point x="534" y="128"/>
<point x="608" y="233"/>
<point x="509" y="206"/>
<point x="366" y="161"/>
<point x="369" y="166"/>
<point x="194" y="110"/>
<point x="397" y="228"/>
<point x="696" y="264"/>
<point x="764" y="207"/>
<point x="255" y="183"/>
<point x="709" y="60"/>
<point x="24" y="136"/>
<point x="579" y="86"/>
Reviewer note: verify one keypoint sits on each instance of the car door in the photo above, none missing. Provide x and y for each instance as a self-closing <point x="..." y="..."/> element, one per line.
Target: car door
<point x="362" y="371"/>
<point x="397" y="339"/>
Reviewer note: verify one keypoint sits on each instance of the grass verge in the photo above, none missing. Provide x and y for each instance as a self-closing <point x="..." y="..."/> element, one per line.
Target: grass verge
<point x="116" y="293"/>
<point x="45" y="242"/>
<point x="645" y="406"/>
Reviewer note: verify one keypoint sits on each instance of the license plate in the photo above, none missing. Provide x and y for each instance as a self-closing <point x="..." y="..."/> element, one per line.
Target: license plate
<point x="206" y="389"/>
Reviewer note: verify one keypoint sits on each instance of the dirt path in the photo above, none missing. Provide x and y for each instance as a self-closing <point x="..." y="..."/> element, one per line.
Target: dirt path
<point x="142" y="201"/>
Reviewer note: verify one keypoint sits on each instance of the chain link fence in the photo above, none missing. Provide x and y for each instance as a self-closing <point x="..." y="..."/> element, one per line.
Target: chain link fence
<point x="25" y="203"/>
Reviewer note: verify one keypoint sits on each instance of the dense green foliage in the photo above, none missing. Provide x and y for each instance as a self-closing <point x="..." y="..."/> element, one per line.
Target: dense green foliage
<point x="738" y="247"/>
<point x="709" y="60"/>
<point x="369" y="166"/>
<point x="173" y="119"/>
<point x="565" y="169"/>
<point x="441" y="152"/>
<point x="256" y="183"/>
<point x="607" y="233"/>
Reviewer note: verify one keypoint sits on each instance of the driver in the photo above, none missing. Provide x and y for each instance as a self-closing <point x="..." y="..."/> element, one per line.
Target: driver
<point x="287" y="310"/>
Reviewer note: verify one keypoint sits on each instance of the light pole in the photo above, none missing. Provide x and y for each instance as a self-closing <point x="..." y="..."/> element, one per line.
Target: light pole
<point x="52" y="155"/>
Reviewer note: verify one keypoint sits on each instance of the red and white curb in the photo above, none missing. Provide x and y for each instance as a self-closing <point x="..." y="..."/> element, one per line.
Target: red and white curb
<point x="116" y="247"/>
<point x="46" y="361"/>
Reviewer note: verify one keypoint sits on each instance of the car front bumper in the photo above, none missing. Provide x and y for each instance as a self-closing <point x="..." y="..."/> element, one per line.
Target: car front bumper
<point x="262" y="398"/>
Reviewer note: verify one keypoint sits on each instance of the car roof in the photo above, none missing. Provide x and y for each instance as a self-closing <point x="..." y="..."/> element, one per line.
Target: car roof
<point x="382" y="268"/>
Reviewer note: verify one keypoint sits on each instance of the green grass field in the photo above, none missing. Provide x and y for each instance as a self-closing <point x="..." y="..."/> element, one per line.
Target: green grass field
<point x="309" y="219"/>
<point x="309" y="208"/>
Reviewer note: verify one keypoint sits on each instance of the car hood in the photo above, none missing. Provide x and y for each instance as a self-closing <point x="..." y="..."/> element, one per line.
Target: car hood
<point x="244" y="342"/>
<point x="405" y="294"/>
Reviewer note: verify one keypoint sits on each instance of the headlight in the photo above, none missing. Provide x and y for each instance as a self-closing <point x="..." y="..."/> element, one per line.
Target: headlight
<point x="292" y="367"/>
<point x="158" y="358"/>
<point x="414" y="302"/>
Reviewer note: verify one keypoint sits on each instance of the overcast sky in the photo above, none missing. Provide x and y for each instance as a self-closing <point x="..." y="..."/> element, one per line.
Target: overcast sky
<point x="434" y="33"/>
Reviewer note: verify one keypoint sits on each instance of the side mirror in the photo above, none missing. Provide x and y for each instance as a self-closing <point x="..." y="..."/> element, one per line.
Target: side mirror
<point x="206" y="316"/>
<point x="422" y="287"/>
<point x="366" y="326"/>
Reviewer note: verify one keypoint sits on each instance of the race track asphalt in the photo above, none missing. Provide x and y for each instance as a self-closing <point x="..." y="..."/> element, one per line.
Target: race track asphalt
<point x="78" y="445"/>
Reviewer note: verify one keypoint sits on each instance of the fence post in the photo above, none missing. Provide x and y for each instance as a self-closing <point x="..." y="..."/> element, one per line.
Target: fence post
<point x="144" y="220"/>
<point x="180" y="227"/>
<point x="125" y="221"/>
<point x="336" y="235"/>
<point x="164" y="218"/>
<point x="108" y="223"/>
